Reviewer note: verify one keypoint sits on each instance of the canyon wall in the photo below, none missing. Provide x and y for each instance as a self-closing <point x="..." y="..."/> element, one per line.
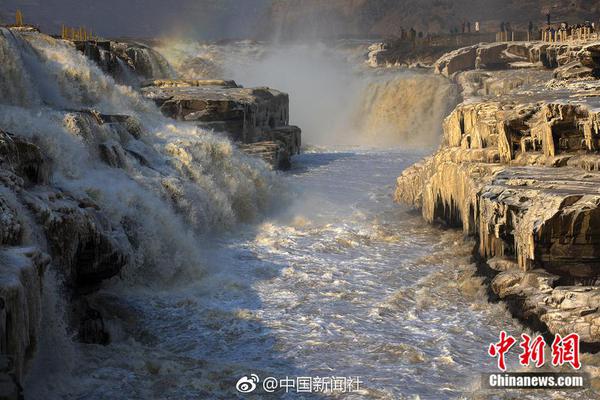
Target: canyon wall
<point x="519" y="169"/>
<point x="310" y="18"/>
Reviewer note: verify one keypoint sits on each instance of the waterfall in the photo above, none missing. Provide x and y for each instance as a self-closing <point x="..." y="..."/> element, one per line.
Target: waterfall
<point x="336" y="101"/>
<point x="174" y="183"/>
<point x="407" y="110"/>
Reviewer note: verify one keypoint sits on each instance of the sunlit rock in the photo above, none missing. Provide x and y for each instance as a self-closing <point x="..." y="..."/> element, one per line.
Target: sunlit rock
<point x="126" y="61"/>
<point x="574" y="59"/>
<point x="250" y="116"/>
<point x="523" y="179"/>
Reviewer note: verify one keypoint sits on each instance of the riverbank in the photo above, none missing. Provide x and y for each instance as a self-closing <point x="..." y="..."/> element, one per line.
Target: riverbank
<point x="518" y="169"/>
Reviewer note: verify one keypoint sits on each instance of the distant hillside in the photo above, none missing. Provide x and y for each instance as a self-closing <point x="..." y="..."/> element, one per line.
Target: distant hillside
<point x="297" y="18"/>
<point x="222" y="19"/>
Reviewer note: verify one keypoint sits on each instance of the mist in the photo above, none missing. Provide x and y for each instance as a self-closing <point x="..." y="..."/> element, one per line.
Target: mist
<point x="324" y="90"/>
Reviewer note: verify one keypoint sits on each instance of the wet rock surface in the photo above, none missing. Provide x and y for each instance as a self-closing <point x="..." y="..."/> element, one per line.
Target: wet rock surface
<point x="21" y="274"/>
<point x="127" y="62"/>
<point x="258" y="118"/>
<point x="518" y="169"/>
<point x="42" y="224"/>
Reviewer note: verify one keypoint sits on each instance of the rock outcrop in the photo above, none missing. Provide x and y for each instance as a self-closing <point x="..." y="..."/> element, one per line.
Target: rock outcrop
<point x="21" y="273"/>
<point x="519" y="169"/>
<point x="404" y="53"/>
<point x="576" y="60"/>
<point x="76" y="237"/>
<point x="127" y="62"/>
<point x="258" y="118"/>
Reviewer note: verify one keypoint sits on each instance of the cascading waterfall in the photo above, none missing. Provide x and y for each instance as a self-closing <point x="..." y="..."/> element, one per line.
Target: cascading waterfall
<point x="335" y="100"/>
<point x="223" y="186"/>
<point x="173" y="184"/>
<point x="407" y="109"/>
<point x="15" y="82"/>
<point x="149" y="63"/>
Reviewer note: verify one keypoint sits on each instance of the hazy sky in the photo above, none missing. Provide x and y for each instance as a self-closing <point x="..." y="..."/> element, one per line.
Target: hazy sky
<point x="208" y="19"/>
<point x="217" y="19"/>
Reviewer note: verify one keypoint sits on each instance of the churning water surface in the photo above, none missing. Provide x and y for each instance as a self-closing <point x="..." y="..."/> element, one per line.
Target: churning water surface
<point x="341" y="283"/>
<point x="336" y="279"/>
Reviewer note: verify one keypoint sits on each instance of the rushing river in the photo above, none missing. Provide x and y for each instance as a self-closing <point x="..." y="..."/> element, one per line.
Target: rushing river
<point x="341" y="283"/>
<point x="328" y="278"/>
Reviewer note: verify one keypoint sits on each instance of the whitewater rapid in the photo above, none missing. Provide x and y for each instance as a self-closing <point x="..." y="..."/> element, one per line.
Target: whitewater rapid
<point x="342" y="283"/>
<point x="238" y="270"/>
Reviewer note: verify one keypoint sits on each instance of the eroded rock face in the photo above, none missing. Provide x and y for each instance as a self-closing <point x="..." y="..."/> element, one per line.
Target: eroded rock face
<point x="251" y="116"/>
<point x="522" y="178"/>
<point x="125" y="60"/>
<point x="244" y="113"/>
<point x="492" y="175"/>
<point x="81" y="240"/>
<point x="24" y="159"/>
<point x="82" y="245"/>
<point x="21" y="272"/>
<point x="540" y="296"/>
<point x="576" y="60"/>
<point x="403" y="52"/>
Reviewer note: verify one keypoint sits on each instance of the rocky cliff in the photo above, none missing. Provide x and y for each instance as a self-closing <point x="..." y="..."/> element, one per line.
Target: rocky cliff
<point x="127" y="62"/>
<point x="96" y="184"/>
<point x="571" y="60"/>
<point x="258" y="118"/>
<point x="519" y="169"/>
<point x="255" y="118"/>
<point x="302" y="18"/>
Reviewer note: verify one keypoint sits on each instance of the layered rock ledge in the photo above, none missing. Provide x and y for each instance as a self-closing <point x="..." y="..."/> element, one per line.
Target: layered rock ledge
<point x="519" y="169"/>
<point x="257" y="118"/>
<point x="127" y="62"/>
<point x="571" y="59"/>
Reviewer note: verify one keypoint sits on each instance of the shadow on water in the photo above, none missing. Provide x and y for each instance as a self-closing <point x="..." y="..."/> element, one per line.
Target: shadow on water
<point x="306" y="162"/>
<point x="203" y="336"/>
<point x="226" y="329"/>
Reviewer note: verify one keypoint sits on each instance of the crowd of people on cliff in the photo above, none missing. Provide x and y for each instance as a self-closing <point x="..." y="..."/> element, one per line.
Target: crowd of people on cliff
<point x="563" y="31"/>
